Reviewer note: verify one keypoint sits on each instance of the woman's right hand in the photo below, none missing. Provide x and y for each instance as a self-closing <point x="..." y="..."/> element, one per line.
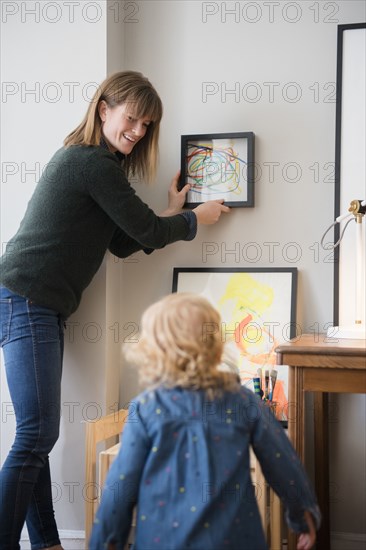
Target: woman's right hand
<point x="209" y="212"/>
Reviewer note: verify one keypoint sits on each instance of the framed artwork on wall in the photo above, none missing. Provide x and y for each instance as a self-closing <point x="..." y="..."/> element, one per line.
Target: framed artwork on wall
<point x="258" y="312"/>
<point x="218" y="166"/>
<point x="350" y="168"/>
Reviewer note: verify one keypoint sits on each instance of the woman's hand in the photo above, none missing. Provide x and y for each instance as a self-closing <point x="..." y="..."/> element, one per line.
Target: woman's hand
<point x="209" y="212"/>
<point x="176" y="199"/>
<point x="307" y="540"/>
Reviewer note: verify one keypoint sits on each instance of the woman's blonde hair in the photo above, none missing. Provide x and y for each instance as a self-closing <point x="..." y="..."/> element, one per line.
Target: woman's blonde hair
<point x="133" y="88"/>
<point x="181" y="344"/>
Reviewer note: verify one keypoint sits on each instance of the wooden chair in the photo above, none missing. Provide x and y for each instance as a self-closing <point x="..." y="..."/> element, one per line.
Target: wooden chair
<point x="102" y="430"/>
<point x="112" y="425"/>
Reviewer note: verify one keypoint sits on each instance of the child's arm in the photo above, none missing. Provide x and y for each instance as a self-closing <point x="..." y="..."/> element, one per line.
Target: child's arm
<point x="114" y="515"/>
<point x="307" y="540"/>
<point x="285" y="473"/>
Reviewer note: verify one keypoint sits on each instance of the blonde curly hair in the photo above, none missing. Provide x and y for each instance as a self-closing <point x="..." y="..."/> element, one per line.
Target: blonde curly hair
<point x="181" y="344"/>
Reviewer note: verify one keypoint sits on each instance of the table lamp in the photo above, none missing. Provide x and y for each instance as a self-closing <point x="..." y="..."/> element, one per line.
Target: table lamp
<point x="356" y="212"/>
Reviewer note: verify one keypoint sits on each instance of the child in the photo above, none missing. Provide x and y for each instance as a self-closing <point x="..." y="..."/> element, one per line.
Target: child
<point x="184" y="456"/>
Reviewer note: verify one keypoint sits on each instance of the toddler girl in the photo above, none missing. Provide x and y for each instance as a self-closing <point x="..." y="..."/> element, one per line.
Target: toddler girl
<point x="184" y="458"/>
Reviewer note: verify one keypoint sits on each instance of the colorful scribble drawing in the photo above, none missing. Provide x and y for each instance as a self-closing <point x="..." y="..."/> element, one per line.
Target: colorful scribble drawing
<point x="214" y="168"/>
<point x="246" y="307"/>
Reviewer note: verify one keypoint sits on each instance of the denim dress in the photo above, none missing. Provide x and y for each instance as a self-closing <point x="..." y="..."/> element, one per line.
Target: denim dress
<point x="184" y="463"/>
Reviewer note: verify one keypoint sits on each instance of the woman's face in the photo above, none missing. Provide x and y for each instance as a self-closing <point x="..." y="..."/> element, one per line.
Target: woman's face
<point x="120" y="129"/>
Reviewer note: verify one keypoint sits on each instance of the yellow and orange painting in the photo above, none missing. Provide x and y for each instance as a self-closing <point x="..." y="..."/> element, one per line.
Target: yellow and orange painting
<point x="257" y="312"/>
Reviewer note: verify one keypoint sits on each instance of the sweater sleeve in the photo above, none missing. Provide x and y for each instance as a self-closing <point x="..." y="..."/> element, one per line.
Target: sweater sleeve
<point x="108" y="186"/>
<point x="122" y="245"/>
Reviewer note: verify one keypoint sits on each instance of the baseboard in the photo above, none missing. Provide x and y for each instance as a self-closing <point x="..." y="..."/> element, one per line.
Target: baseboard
<point x="348" y="541"/>
<point x="71" y="540"/>
<point x="75" y="540"/>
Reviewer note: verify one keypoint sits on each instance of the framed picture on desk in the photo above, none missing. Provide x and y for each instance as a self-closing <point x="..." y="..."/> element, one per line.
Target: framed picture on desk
<point x="258" y="312"/>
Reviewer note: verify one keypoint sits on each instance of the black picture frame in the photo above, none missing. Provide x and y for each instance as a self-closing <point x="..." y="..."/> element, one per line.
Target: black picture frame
<point x="291" y="272"/>
<point x="218" y="166"/>
<point x="349" y="163"/>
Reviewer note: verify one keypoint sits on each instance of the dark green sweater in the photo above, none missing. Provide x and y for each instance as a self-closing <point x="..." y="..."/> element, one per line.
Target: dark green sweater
<point x="82" y="206"/>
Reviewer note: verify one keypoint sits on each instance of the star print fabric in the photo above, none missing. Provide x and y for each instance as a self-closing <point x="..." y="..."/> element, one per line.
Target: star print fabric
<point x="184" y="463"/>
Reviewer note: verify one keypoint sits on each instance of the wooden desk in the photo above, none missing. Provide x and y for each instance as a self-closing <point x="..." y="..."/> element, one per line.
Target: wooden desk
<point x="321" y="365"/>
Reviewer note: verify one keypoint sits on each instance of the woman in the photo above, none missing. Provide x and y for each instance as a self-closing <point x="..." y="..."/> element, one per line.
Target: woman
<point x="82" y="206"/>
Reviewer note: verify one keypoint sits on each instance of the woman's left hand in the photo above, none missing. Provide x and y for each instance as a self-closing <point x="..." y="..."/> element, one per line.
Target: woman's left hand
<point x="176" y="198"/>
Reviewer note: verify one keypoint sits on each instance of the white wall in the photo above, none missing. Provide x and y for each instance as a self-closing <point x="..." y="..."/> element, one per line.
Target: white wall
<point x="280" y="58"/>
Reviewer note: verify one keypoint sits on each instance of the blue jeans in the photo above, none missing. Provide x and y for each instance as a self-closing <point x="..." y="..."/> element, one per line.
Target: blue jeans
<point x="32" y="340"/>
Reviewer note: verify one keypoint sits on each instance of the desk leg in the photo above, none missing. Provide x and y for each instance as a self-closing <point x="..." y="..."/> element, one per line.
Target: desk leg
<point x="296" y="411"/>
<point x="321" y="453"/>
<point x="296" y="424"/>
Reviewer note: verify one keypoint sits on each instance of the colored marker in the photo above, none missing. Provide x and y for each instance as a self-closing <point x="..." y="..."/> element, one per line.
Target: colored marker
<point x="257" y="386"/>
<point x="266" y="384"/>
<point x="273" y="375"/>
